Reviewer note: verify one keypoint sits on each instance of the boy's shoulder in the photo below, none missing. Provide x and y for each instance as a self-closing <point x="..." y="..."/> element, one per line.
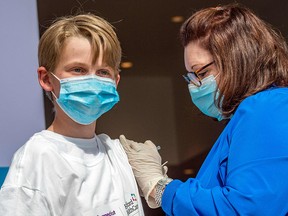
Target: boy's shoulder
<point x="29" y="159"/>
<point x="105" y="139"/>
<point x="107" y="142"/>
<point x="37" y="145"/>
<point x="39" y="142"/>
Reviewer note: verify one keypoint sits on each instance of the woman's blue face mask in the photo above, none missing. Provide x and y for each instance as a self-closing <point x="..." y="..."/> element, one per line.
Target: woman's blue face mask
<point x="204" y="97"/>
<point x="85" y="98"/>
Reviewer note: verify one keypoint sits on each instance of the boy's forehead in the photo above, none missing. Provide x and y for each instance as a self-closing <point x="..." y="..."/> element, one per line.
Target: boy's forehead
<point x="95" y="49"/>
<point x="78" y="51"/>
<point x="74" y="47"/>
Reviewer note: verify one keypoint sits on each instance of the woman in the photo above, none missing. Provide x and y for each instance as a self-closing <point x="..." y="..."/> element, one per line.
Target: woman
<point x="237" y="70"/>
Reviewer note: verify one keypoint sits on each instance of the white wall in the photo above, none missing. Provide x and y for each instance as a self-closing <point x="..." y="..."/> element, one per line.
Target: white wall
<point x="21" y="105"/>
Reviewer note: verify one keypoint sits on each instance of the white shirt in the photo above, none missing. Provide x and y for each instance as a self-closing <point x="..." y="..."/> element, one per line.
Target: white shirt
<point x="56" y="175"/>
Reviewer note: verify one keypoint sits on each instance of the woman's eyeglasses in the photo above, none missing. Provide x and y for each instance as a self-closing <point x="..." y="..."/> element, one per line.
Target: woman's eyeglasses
<point x="193" y="76"/>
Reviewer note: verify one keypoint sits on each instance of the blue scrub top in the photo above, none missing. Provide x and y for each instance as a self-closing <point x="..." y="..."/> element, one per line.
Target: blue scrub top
<point x="246" y="171"/>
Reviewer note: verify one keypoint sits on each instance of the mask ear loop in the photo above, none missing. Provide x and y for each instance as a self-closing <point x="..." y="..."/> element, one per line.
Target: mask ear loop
<point x="54" y="76"/>
<point x="59" y="82"/>
<point x="54" y="95"/>
<point x="217" y="75"/>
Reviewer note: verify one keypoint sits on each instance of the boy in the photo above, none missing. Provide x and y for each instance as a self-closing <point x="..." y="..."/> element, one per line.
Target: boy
<point x="67" y="169"/>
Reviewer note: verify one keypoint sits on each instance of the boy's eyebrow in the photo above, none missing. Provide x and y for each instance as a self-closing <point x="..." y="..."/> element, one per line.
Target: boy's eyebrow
<point x="70" y="64"/>
<point x="81" y="64"/>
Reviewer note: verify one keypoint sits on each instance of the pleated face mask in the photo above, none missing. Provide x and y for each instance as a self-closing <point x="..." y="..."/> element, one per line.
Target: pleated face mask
<point x="85" y="98"/>
<point x="203" y="97"/>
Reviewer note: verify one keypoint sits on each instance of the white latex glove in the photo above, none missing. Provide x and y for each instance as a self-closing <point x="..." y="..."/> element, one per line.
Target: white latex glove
<point x="146" y="164"/>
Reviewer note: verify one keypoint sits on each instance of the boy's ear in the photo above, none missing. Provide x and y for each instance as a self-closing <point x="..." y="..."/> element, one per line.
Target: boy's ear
<point x="43" y="78"/>
<point x="117" y="79"/>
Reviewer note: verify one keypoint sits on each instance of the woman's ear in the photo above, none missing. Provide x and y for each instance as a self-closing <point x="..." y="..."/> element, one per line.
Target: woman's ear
<point x="43" y="78"/>
<point x="117" y="79"/>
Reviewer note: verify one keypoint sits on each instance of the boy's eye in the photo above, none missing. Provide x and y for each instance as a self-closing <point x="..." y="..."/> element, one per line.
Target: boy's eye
<point x="78" y="70"/>
<point x="104" y="73"/>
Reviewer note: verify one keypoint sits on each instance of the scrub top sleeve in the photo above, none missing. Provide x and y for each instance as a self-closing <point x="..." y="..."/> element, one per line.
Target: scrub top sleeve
<point x="168" y="196"/>
<point x="190" y="198"/>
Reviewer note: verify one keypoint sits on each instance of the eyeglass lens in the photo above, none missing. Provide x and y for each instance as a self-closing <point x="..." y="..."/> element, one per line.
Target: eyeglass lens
<point x="194" y="79"/>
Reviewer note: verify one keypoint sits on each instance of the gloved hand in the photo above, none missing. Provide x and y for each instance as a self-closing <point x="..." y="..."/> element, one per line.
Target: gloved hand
<point x="146" y="164"/>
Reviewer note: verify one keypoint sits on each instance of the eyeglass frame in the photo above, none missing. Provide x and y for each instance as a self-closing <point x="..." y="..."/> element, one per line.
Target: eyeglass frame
<point x="195" y="73"/>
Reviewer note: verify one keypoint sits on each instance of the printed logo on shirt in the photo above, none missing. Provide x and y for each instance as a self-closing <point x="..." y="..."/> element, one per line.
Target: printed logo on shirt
<point x="131" y="205"/>
<point x="111" y="209"/>
<point x="110" y="213"/>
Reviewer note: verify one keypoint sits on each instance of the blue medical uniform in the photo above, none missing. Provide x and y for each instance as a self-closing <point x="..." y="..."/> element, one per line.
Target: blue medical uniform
<point x="246" y="171"/>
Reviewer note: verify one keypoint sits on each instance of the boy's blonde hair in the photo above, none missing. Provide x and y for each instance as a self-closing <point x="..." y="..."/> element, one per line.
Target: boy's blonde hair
<point x="98" y="31"/>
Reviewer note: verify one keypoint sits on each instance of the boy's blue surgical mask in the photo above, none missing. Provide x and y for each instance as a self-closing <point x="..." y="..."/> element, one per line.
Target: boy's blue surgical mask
<point x="85" y="98"/>
<point x="203" y="97"/>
